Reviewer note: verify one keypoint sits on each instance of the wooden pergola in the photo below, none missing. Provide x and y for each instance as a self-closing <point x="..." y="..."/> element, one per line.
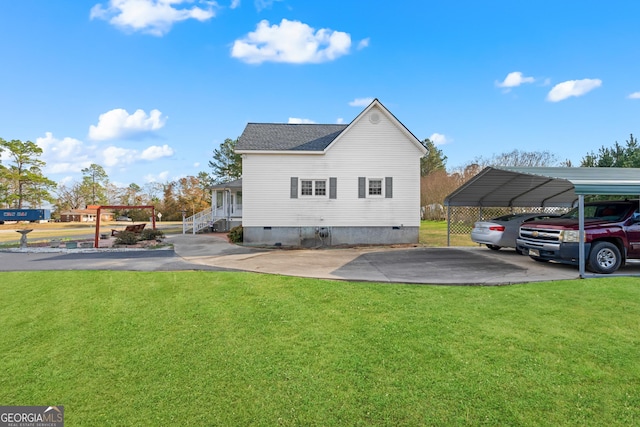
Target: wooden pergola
<point x="97" y="237"/>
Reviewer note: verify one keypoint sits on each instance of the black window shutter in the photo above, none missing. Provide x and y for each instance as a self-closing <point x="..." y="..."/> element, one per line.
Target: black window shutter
<point x="388" y="187"/>
<point x="362" y="184"/>
<point x="333" y="188"/>
<point x="294" y="187"/>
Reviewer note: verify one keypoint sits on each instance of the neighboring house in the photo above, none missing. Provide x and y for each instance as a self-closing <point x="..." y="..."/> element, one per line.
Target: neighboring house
<point x="85" y="215"/>
<point x="330" y="184"/>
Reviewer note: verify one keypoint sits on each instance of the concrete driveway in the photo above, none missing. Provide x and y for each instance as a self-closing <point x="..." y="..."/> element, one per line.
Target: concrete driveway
<point x="446" y="266"/>
<point x="450" y="266"/>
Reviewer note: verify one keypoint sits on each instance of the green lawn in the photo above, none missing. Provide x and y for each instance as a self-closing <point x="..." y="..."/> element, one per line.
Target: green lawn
<point x="241" y="349"/>
<point x="434" y="233"/>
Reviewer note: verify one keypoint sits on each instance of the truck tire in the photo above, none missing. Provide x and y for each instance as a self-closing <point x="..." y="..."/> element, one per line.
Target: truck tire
<point x="604" y="258"/>
<point x="494" y="247"/>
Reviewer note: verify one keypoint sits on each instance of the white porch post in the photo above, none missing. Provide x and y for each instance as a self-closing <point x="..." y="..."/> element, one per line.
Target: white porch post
<point x="228" y="209"/>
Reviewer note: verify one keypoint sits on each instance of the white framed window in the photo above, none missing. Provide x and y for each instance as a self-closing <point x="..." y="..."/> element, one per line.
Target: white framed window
<point x="374" y="187"/>
<point x="320" y="188"/>
<point x="306" y="187"/>
<point x="313" y="187"/>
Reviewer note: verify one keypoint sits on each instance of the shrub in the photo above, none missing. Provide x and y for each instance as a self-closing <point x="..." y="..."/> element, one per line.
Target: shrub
<point x="150" y="234"/>
<point x="126" y="238"/>
<point x="235" y="234"/>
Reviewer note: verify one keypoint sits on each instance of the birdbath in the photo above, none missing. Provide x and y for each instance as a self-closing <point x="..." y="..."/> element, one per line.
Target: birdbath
<point x="23" y="239"/>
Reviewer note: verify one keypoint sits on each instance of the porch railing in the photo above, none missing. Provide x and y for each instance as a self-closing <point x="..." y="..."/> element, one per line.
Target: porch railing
<point x="208" y="217"/>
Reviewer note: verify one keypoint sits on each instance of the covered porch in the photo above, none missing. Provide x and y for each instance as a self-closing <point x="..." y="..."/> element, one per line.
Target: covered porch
<point x="225" y="212"/>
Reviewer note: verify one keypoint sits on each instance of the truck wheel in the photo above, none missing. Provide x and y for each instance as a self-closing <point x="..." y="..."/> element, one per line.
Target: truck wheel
<point x="604" y="258"/>
<point x="494" y="247"/>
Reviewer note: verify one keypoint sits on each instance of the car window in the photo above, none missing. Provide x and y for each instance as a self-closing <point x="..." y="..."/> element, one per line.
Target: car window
<point x="610" y="212"/>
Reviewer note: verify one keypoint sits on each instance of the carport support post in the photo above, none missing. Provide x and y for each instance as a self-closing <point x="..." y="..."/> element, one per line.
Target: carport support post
<point x="581" y="259"/>
<point x="448" y="225"/>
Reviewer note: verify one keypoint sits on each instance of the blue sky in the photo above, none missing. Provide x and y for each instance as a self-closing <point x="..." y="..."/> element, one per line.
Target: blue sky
<point x="149" y="88"/>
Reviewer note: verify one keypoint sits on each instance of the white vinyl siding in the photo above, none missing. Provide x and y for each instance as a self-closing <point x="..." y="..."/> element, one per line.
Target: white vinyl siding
<point x="381" y="151"/>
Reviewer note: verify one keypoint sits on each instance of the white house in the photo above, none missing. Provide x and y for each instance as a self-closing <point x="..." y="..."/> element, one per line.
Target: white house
<point x="330" y="184"/>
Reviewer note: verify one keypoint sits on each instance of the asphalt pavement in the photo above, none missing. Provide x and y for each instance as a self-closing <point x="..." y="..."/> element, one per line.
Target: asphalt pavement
<point x="400" y="264"/>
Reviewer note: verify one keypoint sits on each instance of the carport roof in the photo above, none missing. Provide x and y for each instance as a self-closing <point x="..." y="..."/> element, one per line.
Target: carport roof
<point x="548" y="186"/>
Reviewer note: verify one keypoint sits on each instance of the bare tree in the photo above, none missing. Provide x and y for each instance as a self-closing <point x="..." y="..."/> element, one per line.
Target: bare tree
<point x="69" y="197"/>
<point x="517" y="158"/>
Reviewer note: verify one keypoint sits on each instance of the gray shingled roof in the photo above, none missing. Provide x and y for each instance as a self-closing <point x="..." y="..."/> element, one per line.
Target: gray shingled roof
<point x="235" y="184"/>
<point x="284" y="137"/>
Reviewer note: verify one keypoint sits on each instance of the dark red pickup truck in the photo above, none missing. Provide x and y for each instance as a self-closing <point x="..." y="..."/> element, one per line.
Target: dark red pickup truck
<point x="611" y="229"/>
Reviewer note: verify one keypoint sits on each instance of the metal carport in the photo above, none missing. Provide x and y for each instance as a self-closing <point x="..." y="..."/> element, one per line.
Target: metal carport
<point x="544" y="186"/>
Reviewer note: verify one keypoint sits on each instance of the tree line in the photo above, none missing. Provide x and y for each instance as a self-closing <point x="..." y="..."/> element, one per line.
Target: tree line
<point x="23" y="184"/>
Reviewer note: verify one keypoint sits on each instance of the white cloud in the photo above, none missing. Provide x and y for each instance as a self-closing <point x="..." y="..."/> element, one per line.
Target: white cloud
<point x="161" y="177"/>
<point x="515" y="79"/>
<point x="119" y="123"/>
<point x="65" y="155"/>
<point x="155" y="17"/>
<point x="156" y="152"/>
<point x="363" y="43"/>
<point x="62" y="149"/>
<point x="297" y="121"/>
<point x="634" y="95"/>
<point x="234" y="4"/>
<point x="264" y="4"/>
<point x="70" y="155"/>
<point x="361" y="102"/>
<point x="439" y="139"/>
<point x="570" y="88"/>
<point x="340" y="121"/>
<point x="118" y="156"/>
<point x="67" y="180"/>
<point x="290" y="42"/>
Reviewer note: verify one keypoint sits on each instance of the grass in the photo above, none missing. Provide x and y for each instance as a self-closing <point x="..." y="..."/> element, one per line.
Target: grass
<point x="45" y="232"/>
<point x="217" y="348"/>
<point x="434" y="233"/>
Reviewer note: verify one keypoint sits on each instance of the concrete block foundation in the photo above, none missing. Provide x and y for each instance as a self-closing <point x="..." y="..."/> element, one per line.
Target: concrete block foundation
<point x="311" y="237"/>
